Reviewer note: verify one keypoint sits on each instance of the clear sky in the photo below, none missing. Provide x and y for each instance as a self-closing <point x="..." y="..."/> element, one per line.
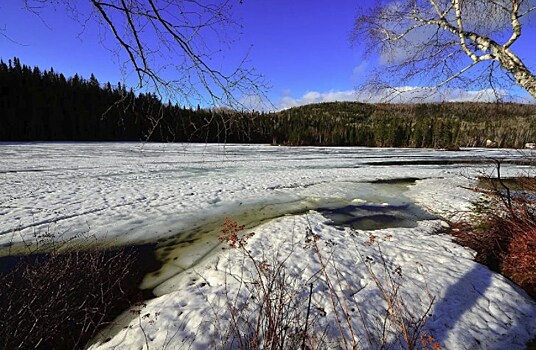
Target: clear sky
<point x="302" y="47"/>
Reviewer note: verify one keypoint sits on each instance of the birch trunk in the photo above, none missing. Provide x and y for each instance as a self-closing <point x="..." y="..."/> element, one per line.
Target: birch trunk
<point x="521" y="74"/>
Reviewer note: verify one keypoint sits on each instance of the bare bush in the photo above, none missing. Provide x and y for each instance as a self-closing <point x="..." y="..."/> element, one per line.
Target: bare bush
<point x="409" y="326"/>
<point x="503" y="231"/>
<point x="60" y="301"/>
<point x="275" y="314"/>
<point x="271" y="309"/>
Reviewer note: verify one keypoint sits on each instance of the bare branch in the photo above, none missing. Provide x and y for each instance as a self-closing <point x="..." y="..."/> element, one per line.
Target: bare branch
<point x="126" y="46"/>
<point x="460" y="31"/>
<point x="456" y="75"/>
<point x="436" y="8"/>
<point x="3" y="34"/>
<point x="516" y="26"/>
<point x="529" y="10"/>
<point x="174" y="48"/>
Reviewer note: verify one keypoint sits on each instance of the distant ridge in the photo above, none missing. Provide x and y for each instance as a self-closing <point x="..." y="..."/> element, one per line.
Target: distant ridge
<point x="438" y="125"/>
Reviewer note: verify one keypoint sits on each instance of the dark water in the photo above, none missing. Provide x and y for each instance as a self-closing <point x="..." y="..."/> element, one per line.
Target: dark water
<point x="381" y="205"/>
<point x="375" y="217"/>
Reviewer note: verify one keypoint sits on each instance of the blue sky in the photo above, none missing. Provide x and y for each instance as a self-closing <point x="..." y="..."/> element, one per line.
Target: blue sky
<point x="302" y="47"/>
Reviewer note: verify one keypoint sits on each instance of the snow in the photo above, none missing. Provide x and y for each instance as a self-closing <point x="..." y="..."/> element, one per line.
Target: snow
<point x="179" y="194"/>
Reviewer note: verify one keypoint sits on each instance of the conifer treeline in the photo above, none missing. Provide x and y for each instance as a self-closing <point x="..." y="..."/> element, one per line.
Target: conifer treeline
<point x="40" y="105"/>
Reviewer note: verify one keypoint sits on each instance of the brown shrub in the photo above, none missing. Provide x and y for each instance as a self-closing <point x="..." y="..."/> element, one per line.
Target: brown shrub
<point x="504" y="230"/>
<point x="60" y="301"/>
<point x="519" y="263"/>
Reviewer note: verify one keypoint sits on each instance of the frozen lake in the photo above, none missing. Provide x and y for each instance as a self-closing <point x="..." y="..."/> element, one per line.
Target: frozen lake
<point x="179" y="194"/>
<point x="136" y="192"/>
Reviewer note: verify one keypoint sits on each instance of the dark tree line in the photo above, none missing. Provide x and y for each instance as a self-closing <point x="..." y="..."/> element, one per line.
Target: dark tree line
<point x="40" y="105"/>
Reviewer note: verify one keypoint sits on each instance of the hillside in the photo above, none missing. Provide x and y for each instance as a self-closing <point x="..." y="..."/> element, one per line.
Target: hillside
<point x="407" y="125"/>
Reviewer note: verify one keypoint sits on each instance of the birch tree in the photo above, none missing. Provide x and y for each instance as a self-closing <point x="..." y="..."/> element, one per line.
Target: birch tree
<point x="447" y="43"/>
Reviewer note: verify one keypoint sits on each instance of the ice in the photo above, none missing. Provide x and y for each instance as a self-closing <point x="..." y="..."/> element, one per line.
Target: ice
<point x="130" y="191"/>
<point x="134" y="193"/>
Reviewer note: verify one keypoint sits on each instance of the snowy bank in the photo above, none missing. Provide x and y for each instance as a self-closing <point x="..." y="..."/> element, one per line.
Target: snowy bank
<point x="179" y="195"/>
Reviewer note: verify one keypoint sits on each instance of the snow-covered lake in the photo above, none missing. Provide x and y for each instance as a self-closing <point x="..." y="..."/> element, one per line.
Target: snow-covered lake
<point x="134" y="192"/>
<point x="179" y="194"/>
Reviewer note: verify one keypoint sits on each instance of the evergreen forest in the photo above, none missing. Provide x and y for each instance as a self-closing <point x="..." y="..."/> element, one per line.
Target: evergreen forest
<point x="43" y="105"/>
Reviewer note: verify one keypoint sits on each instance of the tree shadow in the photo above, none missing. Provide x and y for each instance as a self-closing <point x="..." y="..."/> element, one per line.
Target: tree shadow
<point x="465" y="295"/>
<point x="459" y="298"/>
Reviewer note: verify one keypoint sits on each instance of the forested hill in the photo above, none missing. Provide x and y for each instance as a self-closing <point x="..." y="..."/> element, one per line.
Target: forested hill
<point x="407" y="125"/>
<point x="42" y="105"/>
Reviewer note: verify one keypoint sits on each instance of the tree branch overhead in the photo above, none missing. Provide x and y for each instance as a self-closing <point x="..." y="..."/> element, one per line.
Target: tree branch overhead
<point x="445" y="43"/>
<point x="175" y="47"/>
